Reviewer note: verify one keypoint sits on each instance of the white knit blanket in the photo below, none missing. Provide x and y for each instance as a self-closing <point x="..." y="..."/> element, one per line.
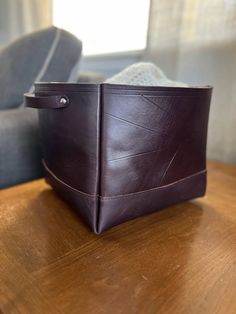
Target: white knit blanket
<point x="146" y="74"/>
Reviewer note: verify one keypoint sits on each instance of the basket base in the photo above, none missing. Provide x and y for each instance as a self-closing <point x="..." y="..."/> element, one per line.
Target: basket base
<point x="102" y="213"/>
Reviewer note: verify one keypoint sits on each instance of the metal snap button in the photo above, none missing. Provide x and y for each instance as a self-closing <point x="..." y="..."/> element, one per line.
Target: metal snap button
<point x="63" y="101"/>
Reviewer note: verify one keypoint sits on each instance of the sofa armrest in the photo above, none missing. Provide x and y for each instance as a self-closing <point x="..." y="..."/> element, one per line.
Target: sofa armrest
<point x="20" y="152"/>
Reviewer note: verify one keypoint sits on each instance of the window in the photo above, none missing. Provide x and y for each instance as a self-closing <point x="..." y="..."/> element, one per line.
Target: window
<point x="104" y="26"/>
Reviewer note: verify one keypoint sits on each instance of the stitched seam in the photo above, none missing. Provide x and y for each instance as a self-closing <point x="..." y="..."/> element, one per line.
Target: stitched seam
<point x="132" y="123"/>
<point x="148" y="100"/>
<point x="137" y="155"/>
<point x="100" y="155"/>
<point x="74" y="70"/>
<point x="155" y="93"/>
<point x="170" y="90"/>
<point x="160" y="88"/>
<point x="152" y="189"/>
<point x="44" y="90"/>
<point x="120" y="195"/>
<point x="49" y="56"/>
<point x="64" y="183"/>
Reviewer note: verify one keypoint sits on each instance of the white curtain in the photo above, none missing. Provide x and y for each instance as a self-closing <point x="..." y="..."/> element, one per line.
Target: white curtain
<point x="18" y="17"/>
<point x="195" y="41"/>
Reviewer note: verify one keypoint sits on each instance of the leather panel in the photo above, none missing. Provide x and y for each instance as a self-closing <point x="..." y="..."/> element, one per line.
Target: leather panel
<point x="116" y="210"/>
<point x="151" y="138"/>
<point x="70" y="138"/>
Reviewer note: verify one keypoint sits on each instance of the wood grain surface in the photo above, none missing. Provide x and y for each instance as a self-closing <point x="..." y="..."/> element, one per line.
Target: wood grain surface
<point x="179" y="260"/>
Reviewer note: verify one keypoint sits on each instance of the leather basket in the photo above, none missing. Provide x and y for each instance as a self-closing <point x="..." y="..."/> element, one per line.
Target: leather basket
<point x="116" y="152"/>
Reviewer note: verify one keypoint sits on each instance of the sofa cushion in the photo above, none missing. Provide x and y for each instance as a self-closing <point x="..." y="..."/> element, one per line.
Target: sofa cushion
<point x="20" y="151"/>
<point x="51" y="54"/>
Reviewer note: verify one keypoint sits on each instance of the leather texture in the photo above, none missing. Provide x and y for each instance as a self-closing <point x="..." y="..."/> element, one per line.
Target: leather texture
<point x="116" y="152"/>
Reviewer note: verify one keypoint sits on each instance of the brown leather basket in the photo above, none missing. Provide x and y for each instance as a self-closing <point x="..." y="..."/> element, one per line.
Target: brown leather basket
<point x="116" y="152"/>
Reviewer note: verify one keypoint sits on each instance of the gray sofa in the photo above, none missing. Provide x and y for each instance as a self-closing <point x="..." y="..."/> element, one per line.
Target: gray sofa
<point x="51" y="54"/>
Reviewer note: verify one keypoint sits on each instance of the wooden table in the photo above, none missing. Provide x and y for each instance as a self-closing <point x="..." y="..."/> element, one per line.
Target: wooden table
<point x="178" y="260"/>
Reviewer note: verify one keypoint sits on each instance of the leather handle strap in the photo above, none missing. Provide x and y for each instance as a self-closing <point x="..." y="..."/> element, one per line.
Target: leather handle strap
<point x="46" y="102"/>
